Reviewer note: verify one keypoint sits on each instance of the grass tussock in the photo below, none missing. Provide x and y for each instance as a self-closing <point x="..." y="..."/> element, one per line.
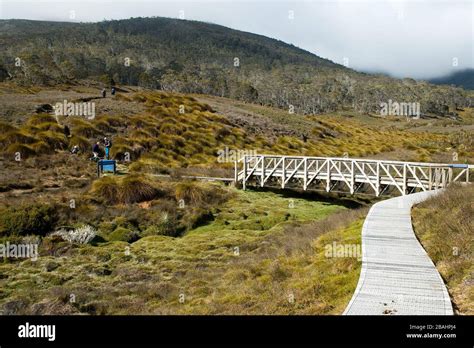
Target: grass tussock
<point x="126" y="190"/>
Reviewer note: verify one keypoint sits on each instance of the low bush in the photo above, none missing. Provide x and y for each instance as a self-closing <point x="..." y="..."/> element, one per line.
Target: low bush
<point x="25" y="219"/>
<point x="81" y="235"/>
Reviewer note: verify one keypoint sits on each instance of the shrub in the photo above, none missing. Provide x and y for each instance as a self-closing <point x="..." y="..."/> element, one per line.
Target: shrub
<point x="81" y="235"/>
<point x="37" y="219"/>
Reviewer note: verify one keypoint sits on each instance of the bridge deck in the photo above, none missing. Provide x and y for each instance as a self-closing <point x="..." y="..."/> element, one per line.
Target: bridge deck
<point x="397" y="276"/>
<point x="374" y="176"/>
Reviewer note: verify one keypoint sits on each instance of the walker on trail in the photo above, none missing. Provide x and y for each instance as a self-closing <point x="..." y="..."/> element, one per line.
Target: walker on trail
<point x="95" y="152"/>
<point x="107" y="146"/>
<point x="104" y="93"/>
<point x="113" y="91"/>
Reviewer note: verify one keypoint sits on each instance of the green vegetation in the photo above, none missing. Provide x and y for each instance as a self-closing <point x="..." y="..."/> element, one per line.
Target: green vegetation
<point x="261" y="248"/>
<point x="27" y="219"/>
<point x="444" y="226"/>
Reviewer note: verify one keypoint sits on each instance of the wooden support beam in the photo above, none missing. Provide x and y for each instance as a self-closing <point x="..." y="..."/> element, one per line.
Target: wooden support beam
<point x="328" y="173"/>
<point x="244" y="179"/>
<point x="404" y="179"/>
<point x="352" y="177"/>
<point x="283" y="173"/>
<point x="305" y="178"/>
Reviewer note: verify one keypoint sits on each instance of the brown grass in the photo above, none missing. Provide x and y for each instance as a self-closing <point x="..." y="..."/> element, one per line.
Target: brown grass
<point x="444" y="224"/>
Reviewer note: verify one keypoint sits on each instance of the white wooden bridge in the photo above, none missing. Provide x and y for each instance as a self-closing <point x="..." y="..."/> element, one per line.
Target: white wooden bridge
<point x="347" y="174"/>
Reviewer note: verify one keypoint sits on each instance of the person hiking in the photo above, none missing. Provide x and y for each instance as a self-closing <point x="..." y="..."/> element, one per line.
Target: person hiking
<point x="107" y="145"/>
<point x="75" y="150"/>
<point x="95" y="151"/>
<point x="104" y="93"/>
<point x="113" y="91"/>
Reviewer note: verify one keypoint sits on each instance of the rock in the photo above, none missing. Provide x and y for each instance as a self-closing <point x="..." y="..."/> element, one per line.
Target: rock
<point x="44" y="108"/>
<point x="13" y="307"/>
<point x="51" y="266"/>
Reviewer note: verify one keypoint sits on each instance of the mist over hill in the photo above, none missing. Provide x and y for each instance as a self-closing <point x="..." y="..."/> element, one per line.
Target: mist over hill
<point x="463" y="78"/>
<point x="196" y="57"/>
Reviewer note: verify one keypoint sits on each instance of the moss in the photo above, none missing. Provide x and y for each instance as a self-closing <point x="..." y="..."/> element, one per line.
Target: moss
<point x="123" y="234"/>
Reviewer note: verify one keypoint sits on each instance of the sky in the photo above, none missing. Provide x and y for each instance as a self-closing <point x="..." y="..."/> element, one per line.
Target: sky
<point x="403" y="38"/>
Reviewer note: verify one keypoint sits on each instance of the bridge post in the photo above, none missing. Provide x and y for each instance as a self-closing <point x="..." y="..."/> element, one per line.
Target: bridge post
<point x="430" y="178"/>
<point x="377" y="183"/>
<point x="404" y="179"/>
<point x="437" y="178"/>
<point x="305" y="178"/>
<point x="283" y="172"/>
<point x="262" y="177"/>
<point x="352" y="177"/>
<point x="236" y="173"/>
<point x="244" y="179"/>
<point x="328" y="180"/>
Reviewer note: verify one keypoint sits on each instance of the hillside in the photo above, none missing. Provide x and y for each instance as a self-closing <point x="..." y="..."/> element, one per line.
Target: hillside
<point x="463" y="78"/>
<point x="195" y="57"/>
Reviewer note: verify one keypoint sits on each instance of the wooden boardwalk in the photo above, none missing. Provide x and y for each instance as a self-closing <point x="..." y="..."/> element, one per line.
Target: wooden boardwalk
<point x="397" y="276"/>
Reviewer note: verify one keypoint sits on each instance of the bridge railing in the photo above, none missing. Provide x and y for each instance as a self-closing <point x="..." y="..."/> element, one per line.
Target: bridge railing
<point x="351" y="173"/>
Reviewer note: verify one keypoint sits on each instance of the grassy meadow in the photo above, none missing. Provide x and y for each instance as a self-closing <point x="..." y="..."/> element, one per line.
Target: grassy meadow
<point x="175" y="246"/>
<point x="262" y="253"/>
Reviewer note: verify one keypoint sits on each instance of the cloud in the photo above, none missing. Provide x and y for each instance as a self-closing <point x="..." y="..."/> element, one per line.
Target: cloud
<point x="420" y="39"/>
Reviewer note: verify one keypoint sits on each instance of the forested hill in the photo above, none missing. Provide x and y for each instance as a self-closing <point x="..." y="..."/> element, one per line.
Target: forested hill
<point x="196" y="57"/>
<point x="463" y="78"/>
